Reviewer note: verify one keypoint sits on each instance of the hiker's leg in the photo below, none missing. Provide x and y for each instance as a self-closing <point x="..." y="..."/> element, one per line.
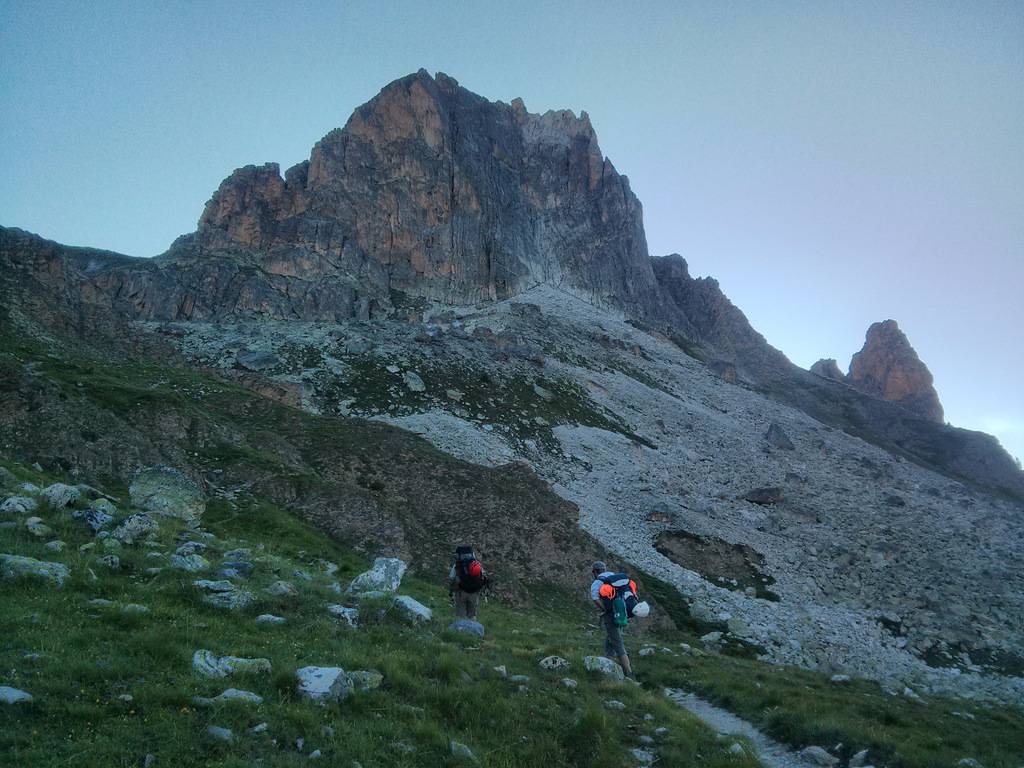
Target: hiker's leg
<point x="624" y="663"/>
<point x="460" y="604"/>
<point x="472" y="604"/>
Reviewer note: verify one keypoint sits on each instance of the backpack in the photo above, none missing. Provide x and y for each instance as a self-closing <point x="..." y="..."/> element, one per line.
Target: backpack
<point x="468" y="570"/>
<point x="620" y="595"/>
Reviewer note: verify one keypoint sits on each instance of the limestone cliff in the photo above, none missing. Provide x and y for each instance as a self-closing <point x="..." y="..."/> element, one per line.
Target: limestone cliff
<point x="888" y="367"/>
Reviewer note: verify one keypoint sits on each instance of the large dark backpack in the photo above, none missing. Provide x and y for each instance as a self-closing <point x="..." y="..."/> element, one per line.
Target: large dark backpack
<point x="624" y="600"/>
<point x="464" y="559"/>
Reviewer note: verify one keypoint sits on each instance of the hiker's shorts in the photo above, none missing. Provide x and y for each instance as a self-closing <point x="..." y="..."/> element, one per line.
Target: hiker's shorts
<point x="613" y="645"/>
<point x="466" y="604"/>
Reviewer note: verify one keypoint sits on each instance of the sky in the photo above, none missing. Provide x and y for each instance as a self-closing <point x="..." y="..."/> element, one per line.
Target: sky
<point x="832" y="164"/>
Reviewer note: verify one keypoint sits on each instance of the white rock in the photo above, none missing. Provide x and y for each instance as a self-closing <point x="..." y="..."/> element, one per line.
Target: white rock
<point x="269" y="618"/>
<point x="58" y="495"/>
<point x="840" y="678"/>
<point x="16" y="506"/>
<point x="859" y="760"/>
<point x="10" y="695"/>
<point x="207" y="664"/>
<point x="18" y="567"/>
<point x="569" y="683"/>
<point x="384" y="576"/>
<point x="349" y="615"/>
<point x="190" y="563"/>
<point x="614" y="704"/>
<point x="554" y="662"/>
<point x="604" y="666"/>
<point x="323" y="684"/>
<point x="412" y="610"/>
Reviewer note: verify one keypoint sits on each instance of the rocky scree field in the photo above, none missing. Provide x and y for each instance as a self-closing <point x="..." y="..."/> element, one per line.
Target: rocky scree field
<point x="847" y="558"/>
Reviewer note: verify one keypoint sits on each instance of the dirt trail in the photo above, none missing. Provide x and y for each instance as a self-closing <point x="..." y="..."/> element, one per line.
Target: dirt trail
<point x="770" y="752"/>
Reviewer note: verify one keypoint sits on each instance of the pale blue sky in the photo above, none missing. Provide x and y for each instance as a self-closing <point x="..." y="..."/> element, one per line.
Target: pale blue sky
<point x="832" y="164"/>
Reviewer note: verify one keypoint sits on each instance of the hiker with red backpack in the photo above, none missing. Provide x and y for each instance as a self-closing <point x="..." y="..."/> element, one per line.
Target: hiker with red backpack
<point x="615" y="595"/>
<point x="466" y="579"/>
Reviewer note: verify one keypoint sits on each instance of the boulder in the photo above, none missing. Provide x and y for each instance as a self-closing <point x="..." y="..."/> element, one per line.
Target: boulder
<point x="207" y="664"/>
<point x="777" y="438"/>
<point x="414" y="382"/>
<point x="323" y="684"/>
<point x="614" y="704"/>
<point x="553" y="662"/>
<point x="38" y="528"/>
<point x="384" y="576"/>
<point x="269" y="618"/>
<point x="467" y="626"/>
<point x="96" y="519"/>
<point x="764" y="496"/>
<point x="19" y="567"/>
<point x="190" y="563"/>
<point x="412" y="610"/>
<point x="461" y="752"/>
<point x="349" y="615"/>
<point x="59" y="496"/>
<point x="10" y="695"/>
<point x="568" y="682"/>
<point x="16" y="506"/>
<point x="168" y="492"/>
<point x="603" y="666"/>
<point x="224" y="594"/>
<point x="282" y="589"/>
<point x="135" y="527"/>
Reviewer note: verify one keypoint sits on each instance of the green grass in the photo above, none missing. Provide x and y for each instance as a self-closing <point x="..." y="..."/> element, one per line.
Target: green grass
<point x="437" y="686"/>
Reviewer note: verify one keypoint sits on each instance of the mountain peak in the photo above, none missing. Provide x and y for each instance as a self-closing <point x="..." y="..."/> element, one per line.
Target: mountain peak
<point x="888" y="367"/>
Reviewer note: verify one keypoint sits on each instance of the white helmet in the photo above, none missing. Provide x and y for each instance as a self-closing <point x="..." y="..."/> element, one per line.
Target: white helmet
<point x="641" y="610"/>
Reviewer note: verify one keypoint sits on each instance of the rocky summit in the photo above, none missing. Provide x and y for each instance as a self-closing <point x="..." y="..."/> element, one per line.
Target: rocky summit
<point x="446" y="326"/>
<point x="889" y="368"/>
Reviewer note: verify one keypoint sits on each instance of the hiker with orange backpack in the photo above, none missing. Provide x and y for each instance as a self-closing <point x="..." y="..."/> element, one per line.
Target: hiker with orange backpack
<point x="465" y="581"/>
<point x="615" y="595"/>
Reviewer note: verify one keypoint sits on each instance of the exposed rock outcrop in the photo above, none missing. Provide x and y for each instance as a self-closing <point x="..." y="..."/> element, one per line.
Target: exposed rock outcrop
<point x="889" y="368"/>
<point x="828" y="368"/>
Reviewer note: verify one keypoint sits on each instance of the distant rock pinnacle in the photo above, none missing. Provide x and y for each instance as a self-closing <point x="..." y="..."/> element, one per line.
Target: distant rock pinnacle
<point x="889" y="368"/>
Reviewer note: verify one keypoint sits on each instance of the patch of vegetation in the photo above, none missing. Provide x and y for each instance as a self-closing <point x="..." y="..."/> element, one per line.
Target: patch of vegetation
<point x="521" y="408"/>
<point x="799" y="707"/>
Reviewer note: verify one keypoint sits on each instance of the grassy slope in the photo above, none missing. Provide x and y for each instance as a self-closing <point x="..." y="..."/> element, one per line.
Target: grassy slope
<point x="91" y="656"/>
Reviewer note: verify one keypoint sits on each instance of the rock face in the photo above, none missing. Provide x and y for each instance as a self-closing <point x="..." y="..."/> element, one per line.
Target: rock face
<point x="491" y="199"/>
<point x="889" y="368"/>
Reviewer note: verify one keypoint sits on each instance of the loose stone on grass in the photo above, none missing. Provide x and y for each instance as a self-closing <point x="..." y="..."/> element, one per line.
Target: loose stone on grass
<point x="412" y="610"/>
<point x="604" y="666"/>
<point x="10" y="695"/>
<point x="323" y="684"/>
<point x="468" y="627"/>
<point x="19" y="567"/>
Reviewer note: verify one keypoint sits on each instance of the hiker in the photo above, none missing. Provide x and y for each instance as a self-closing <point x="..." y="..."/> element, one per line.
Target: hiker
<point x="608" y="591"/>
<point x="465" y="581"/>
